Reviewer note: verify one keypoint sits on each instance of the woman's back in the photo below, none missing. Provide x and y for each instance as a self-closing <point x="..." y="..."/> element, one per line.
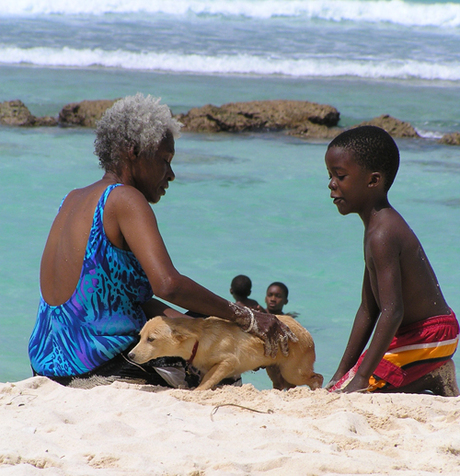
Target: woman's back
<point x="102" y="315"/>
<point x="64" y="251"/>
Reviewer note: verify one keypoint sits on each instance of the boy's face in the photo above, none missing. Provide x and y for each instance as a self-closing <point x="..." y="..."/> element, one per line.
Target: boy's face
<point x="349" y="182"/>
<point x="275" y="299"/>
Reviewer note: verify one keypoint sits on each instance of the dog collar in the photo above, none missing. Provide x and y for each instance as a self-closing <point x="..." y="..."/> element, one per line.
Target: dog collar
<point x="195" y="348"/>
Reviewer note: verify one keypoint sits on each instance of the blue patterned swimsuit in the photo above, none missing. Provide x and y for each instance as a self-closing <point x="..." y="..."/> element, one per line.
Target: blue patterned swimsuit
<point x="103" y="316"/>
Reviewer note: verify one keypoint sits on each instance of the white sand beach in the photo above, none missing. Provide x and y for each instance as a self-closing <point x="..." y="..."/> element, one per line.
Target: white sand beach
<point x="131" y="429"/>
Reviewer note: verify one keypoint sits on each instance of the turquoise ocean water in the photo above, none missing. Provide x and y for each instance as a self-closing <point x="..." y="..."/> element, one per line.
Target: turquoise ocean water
<point x="255" y="204"/>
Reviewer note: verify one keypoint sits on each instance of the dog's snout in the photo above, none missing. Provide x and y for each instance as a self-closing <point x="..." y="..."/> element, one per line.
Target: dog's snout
<point x="131" y="355"/>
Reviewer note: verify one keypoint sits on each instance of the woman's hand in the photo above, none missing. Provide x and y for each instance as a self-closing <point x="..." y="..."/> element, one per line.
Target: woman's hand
<point x="267" y="327"/>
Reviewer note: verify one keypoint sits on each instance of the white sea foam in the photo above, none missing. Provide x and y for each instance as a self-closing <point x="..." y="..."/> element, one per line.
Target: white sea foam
<point x="226" y="64"/>
<point x="392" y="11"/>
<point x="429" y="134"/>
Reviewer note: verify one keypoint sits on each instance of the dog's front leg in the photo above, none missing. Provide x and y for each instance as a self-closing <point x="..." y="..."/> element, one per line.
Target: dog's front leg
<point x="279" y="382"/>
<point x="215" y="374"/>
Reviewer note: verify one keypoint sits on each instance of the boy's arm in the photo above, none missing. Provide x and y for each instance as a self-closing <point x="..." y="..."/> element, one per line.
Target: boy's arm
<point x="363" y="326"/>
<point x="384" y="256"/>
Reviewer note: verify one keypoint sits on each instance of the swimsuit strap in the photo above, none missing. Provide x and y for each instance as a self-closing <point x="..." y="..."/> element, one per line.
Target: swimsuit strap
<point x="62" y="201"/>
<point x="99" y="211"/>
<point x="97" y="232"/>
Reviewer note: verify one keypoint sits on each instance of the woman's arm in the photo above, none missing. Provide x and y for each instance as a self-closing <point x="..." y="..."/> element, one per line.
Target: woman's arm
<point x="154" y="307"/>
<point x="131" y="219"/>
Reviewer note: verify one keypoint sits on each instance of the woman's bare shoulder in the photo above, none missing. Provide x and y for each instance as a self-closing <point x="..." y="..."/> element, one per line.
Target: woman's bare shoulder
<point x="127" y="200"/>
<point x="127" y="193"/>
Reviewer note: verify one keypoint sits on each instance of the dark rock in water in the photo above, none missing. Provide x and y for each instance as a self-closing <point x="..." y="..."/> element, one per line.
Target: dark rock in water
<point x="272" y="115"/>
<point x="303" y="119"/>
<point x="453" y="138"/>
<point x="309" y="130"/>
<point x="84" y="113"/>
<point x="45" y="121"/>
<point x="16" y="113"/>
<point x="393" y="126"/>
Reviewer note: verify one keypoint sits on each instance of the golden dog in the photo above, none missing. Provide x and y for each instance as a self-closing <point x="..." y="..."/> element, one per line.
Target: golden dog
<point x="220" y="349"/>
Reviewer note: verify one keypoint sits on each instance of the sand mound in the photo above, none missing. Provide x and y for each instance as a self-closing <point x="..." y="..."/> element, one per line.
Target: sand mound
<point x="126" y="429"/>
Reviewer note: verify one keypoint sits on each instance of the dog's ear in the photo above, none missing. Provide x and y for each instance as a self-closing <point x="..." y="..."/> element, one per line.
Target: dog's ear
<point x="181" y="333"/>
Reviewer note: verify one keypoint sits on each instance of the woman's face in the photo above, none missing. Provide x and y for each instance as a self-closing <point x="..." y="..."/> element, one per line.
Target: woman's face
<point x="151" y="170"/>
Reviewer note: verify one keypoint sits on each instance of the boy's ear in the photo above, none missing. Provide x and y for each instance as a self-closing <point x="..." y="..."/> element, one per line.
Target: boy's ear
<point x="375" y="179"/>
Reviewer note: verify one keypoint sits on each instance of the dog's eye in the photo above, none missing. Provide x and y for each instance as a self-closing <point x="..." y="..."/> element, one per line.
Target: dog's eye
<point x="150" y="339"/>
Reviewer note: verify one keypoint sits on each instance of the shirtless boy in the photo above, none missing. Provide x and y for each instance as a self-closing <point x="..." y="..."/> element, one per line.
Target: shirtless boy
<point x="415" y="333"/>
<point x="276" y="297"/>
<point x="240" y="289"/>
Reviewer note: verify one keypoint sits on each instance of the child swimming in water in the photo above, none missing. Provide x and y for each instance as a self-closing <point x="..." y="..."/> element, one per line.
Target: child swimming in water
<point x="240" y="289"/>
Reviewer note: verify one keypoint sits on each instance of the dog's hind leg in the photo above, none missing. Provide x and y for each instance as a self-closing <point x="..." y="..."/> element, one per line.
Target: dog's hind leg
<point x="215" y="374"/>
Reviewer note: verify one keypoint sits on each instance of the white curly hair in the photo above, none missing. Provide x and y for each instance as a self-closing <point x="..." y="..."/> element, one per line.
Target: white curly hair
<point x="137" y="122"/>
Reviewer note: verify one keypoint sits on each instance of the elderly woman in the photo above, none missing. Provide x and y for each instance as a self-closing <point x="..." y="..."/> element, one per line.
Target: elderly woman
<point x="105" y="258"/>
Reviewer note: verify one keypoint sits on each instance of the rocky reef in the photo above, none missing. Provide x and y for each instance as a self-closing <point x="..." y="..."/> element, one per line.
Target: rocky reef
<point x="84" y="113"/>
<point x="16" y="113"/>
<point x="303" y="119"/>
<point x="393" y="126"/>
<point x="452" y="138"/>
<point x="274" y="115"/>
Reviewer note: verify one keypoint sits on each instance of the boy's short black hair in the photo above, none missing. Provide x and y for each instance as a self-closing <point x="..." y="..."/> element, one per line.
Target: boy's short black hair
<point x="241" y="285"/>
<point x="373" y="148"/>
<point x="280" y="285"/>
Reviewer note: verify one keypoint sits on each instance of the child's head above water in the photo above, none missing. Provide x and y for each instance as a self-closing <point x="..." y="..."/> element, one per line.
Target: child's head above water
<point x="372" y="148"/>
<point x="241" y="286"/>
<point x="276" y="297"/>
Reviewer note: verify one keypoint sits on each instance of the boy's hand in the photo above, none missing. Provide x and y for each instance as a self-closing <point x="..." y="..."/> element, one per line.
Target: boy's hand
<point x="358" y="384"/>
<point x="272" y="331"/>
<point x="331" y="384"/>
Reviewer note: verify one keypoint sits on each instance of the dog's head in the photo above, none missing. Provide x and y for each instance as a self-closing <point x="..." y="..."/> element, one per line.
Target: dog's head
<point x="160" y="337"/>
